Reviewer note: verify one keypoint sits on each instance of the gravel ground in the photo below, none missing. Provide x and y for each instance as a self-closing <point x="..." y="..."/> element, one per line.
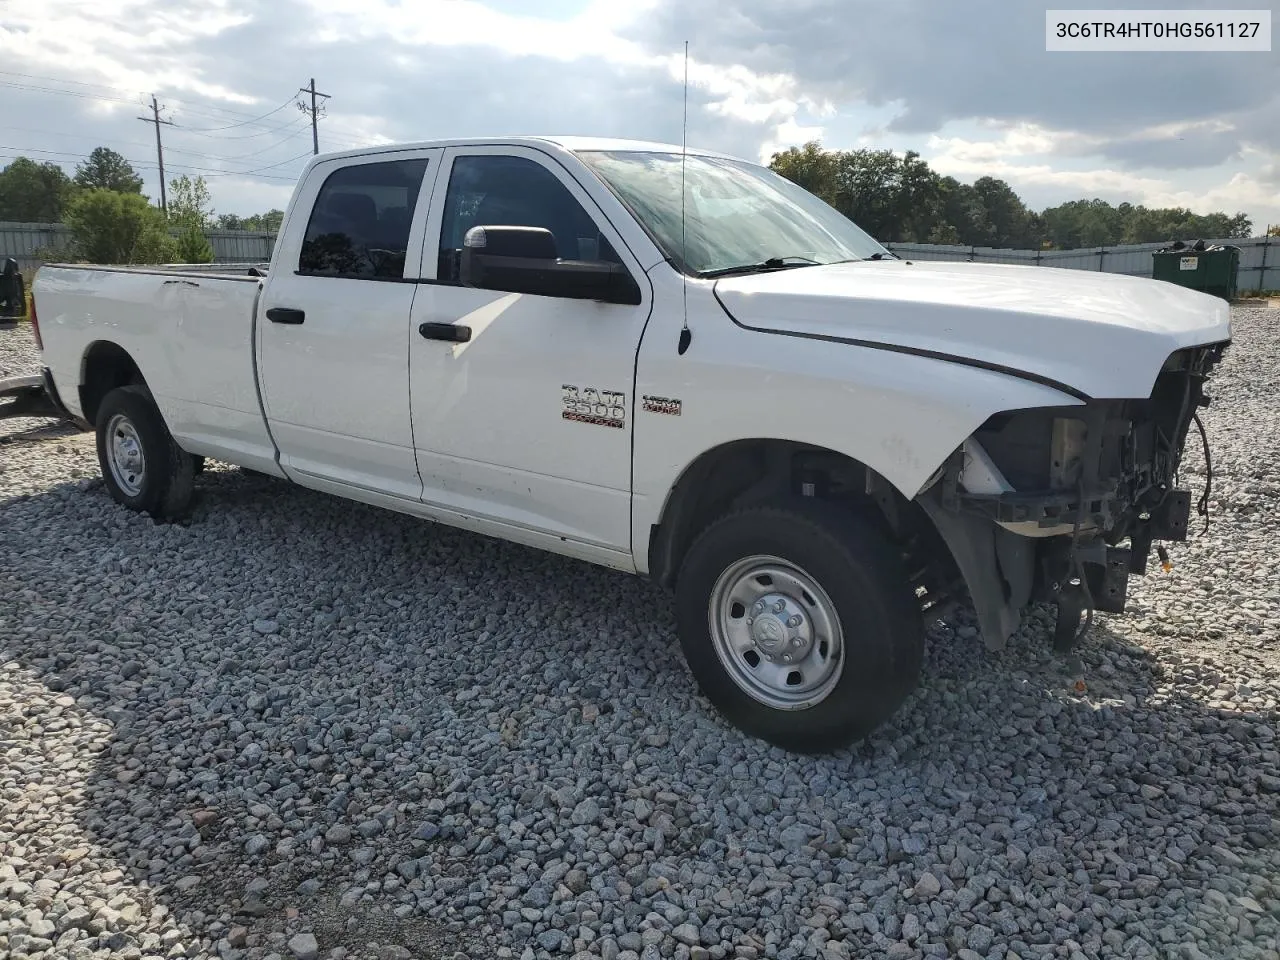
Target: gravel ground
<point x="296" y="727"/>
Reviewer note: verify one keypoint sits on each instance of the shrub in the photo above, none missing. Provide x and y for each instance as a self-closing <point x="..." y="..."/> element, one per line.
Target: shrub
<point x="193" y="246"/>
<point x="110" y="227"/>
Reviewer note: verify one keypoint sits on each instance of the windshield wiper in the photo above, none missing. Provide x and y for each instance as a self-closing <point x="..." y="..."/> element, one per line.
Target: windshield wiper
<point x="773" y="263"/>
<point x="874" y="256"/>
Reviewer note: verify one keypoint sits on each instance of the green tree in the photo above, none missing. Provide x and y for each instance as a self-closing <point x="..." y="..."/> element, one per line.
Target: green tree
<point x="811" y="167"/>
<point x="193" y="246"/>
<point x="107" y="170"/>
<point x="268" y="222"/>
<point x="33" y="192"/>
<point x="899" y="198"/>
<point x="1011" y="223"/>
<point x="963" y="215"/>
<point x="892" y="197"/>
<point x="191" y="211"/>
<point x="112" y="227"/>
<point x="189" y="203"/>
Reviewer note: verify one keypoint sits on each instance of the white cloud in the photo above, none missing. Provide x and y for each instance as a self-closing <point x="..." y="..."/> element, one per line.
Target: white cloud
<point x="100" y="43"/>
<point x="1013" y="154"/>
<point x="762" y="77"/>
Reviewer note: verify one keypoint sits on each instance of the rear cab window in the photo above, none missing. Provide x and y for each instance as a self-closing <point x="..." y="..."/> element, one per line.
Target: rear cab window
<point x="360" y="223"/>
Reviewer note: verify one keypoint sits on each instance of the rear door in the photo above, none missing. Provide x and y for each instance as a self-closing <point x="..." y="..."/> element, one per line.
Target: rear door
<point x="334" y="325"/>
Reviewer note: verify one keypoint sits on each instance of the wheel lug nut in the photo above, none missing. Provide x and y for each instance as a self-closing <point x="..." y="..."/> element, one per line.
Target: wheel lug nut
<point x="750" y="621"/>
<point x="795" y="642"/>
<point x="759" y="607"/>
<point x="780" y="606"/>
<point x="786" y="658"/>
<point x="794" y="620"/>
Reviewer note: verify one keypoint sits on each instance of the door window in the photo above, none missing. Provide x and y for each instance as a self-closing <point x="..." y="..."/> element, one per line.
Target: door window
<point x="514" y="192"/>
<point x="360" y="223"/>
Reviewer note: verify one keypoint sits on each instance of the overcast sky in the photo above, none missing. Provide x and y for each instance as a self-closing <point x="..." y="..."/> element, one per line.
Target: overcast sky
<point x="967" y="83"/>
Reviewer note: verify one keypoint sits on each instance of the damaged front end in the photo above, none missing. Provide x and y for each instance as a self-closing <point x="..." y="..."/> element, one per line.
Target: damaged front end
<point x="1036" y="504"/>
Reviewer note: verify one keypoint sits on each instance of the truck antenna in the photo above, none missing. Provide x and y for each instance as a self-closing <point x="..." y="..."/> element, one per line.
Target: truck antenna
<point x="686" y="337"/>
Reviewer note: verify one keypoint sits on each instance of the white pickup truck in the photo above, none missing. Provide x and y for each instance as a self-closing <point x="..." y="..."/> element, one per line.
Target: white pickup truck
<point x="677" y="365"/>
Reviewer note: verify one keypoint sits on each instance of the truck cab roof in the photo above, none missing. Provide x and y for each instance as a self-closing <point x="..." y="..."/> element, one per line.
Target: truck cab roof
<point x="569" y="143"/>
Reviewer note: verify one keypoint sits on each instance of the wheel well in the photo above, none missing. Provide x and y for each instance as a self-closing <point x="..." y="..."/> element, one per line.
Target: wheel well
<point x="747" y="471"/>
<point x="106" y="366"/>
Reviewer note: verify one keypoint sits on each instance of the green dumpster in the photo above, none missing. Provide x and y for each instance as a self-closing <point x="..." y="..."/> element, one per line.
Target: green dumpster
<point x="1211" y="269"/>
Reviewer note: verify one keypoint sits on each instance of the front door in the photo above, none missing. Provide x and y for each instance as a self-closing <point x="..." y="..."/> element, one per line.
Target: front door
<point x="529" y="422"/>
<point x="333" y="325"/>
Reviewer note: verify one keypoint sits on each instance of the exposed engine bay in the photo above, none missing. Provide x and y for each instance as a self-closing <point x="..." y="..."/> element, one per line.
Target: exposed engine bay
<point x="1038" y="504"/>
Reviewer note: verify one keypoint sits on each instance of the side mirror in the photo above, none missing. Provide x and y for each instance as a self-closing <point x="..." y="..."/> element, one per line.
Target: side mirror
<point x="524" y="260"/>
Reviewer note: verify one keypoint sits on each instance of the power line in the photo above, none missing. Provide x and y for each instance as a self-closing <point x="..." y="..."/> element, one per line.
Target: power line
<point x="354" y="137"/>
<point x="258" y="170"/>
<point x="78" y="83"/>
<point x="242" y="123"/>
<point x="155" y="119"/>
<point x="298" y="129"/>
<point x="69" y="93"/>
<point x="108" y="99"/>
<point x="78" y="136"/>
<point x="102" y="86"/>
<point x="266" y="131"/>
<point x="207" y="171"/>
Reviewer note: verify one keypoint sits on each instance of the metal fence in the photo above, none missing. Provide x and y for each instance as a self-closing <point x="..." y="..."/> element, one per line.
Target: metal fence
<point x="1259" y="267"/>
<point x="1259" y="258"/>
<point x="34" y="243"/>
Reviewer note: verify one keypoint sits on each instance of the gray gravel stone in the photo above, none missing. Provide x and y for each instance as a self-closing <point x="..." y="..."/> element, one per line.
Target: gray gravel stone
<point x="550" y="939"/>
<point x="686" y="933"/>
<point x="405" y="756"/>
<point x="303" y="946"/>
<point x="927" y="886"/>
<point x="588" y="811"/>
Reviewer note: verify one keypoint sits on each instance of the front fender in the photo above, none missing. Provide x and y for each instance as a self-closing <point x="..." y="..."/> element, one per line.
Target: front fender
<point x="901" y="415"/>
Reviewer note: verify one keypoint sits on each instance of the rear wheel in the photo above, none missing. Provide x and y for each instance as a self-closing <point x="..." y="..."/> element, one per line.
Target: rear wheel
<point x="799" y="623"/>
<point x="142" y="467"/>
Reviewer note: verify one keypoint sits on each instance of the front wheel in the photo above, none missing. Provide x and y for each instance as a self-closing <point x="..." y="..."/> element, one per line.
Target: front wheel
<point x="799" y="623"/>
<point x="142" y="467"/>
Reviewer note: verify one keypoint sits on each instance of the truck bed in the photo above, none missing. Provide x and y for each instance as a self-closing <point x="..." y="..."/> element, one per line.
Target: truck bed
<point x="190" y="327"/>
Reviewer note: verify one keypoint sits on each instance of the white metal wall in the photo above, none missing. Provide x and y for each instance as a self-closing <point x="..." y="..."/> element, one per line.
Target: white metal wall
<point x="23" y="241"/>
<point x="1259" y="258"/>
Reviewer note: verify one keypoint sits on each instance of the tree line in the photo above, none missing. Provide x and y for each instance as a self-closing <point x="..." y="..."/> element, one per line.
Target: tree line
<point x="894" y="198"/>
<point x="110" y="219"/>
<point x="900" y="199"/>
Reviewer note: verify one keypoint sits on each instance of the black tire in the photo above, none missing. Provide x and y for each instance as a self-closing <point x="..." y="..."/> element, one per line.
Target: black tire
<point x="164" y="485"/>
<point x="853" y="561"/>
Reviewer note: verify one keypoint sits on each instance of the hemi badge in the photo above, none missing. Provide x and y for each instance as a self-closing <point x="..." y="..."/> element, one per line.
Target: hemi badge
<point x="662" y="405"/>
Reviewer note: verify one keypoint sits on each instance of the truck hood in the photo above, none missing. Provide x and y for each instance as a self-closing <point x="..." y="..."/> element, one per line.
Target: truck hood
<point x="1098" y="334"/>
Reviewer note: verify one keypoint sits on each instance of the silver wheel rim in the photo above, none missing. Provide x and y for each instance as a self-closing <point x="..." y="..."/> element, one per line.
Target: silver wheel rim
<point x="776" y="633"/>
<point x="124" y="455"/>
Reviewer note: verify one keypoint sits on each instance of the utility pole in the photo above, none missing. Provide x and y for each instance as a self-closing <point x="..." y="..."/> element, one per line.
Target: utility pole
<point x="313" y="111"/>
<point x="155" y="119"/>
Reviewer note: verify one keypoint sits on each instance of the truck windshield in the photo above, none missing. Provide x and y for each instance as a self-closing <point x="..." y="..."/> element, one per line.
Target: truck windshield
<point x="740" y="216"/>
